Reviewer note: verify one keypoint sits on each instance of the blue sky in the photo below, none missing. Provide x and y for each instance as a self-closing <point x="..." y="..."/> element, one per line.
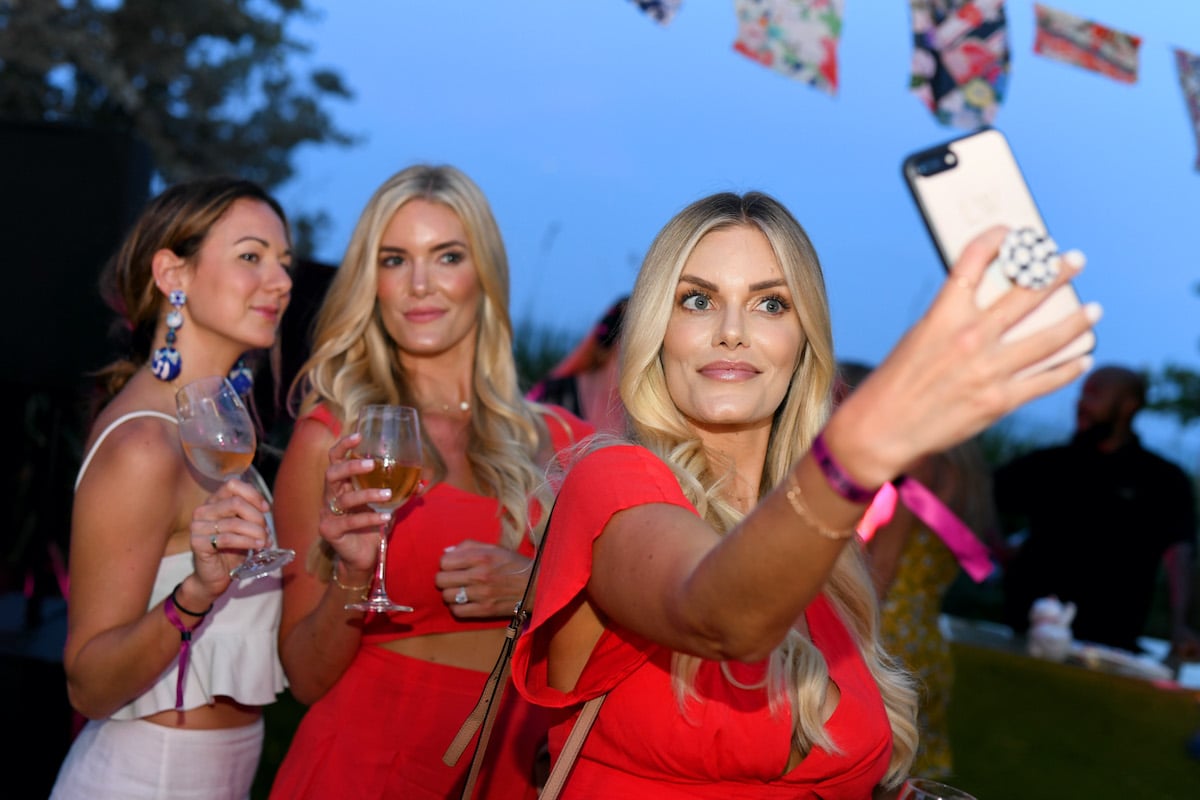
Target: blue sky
<point x="588" y="125"/>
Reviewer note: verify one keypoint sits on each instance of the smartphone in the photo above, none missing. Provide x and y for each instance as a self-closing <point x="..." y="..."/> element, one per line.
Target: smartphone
<point x="968" y="184"/>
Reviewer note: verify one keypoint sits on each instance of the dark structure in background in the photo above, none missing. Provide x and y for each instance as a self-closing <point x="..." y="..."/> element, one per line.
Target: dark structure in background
<point x="67" y="197"/>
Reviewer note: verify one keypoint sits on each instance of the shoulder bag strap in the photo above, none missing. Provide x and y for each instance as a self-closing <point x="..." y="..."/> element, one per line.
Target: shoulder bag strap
<point x="489" y="700"/>
<point x="566" y="759"/>
<point x="483" y="717"/>
<point x="484" y="714"/>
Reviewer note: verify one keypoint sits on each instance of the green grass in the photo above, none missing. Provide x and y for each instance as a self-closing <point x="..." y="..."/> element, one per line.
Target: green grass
<point x="1035" y="730"/>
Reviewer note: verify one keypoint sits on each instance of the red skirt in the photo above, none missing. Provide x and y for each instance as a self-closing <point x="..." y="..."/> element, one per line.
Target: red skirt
<point x="380" y="732"/>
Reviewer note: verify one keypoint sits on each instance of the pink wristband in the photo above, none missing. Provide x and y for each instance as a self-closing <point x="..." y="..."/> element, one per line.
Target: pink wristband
<point x="185" y="643"/>
<point x="837" y="477"/>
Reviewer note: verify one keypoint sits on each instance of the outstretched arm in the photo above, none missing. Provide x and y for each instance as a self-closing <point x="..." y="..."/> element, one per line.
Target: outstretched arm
<point x="665" y="574"/>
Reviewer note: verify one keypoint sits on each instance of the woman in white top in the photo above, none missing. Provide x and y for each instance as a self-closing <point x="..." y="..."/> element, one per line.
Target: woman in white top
<point x="201" y="279"/>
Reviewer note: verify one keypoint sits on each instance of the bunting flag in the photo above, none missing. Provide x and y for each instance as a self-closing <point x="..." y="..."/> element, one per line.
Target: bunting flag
<point x="960" y="59"/>
<point x="798" y="38"/>
<point x="1189" y="81"/>
<point x="1078" y="41"/>
<point x="662" y="11"/>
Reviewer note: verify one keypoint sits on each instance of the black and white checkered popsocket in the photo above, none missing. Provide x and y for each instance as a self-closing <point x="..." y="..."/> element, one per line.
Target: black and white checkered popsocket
<point x="1028" y="258"/>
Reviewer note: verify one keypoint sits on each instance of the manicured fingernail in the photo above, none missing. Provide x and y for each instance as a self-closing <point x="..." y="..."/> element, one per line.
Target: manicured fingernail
<point x="385" y="515"/>
<point x="448" y="549"/>
<point x="1086" y="362"/>
<point x="366" y="462"/>
<point x="385" y="494"/>
<point x="1074" y="259"/>
<point x="1094" y="312"/>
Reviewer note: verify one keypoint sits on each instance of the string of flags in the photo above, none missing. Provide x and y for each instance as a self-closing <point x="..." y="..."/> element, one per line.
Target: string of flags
<point x="961" y="57"/>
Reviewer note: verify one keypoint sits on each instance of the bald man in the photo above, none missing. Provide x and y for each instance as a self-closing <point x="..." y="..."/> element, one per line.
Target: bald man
<point x="1102" y="514"/>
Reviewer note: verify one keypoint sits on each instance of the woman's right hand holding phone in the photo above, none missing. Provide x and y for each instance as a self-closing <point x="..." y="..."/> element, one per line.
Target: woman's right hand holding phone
<point x="954" y="372"/>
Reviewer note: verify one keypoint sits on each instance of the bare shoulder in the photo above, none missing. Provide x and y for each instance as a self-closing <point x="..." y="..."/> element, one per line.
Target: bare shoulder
<point x="309" y="438"/>
<point x="136" y="449"/>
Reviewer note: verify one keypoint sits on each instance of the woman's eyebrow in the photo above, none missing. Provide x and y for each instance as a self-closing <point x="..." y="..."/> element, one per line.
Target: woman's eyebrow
<point x="712" y="287"/>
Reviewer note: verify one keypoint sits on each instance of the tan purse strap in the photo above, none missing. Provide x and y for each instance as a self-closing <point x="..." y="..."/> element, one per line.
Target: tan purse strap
<point x="570" y="751"/>
<point x="483" y="716"/>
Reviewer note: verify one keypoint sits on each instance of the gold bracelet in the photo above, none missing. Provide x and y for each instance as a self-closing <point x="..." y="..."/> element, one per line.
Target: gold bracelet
<point x="796" y="498"/>
<point x="362" y="590"/>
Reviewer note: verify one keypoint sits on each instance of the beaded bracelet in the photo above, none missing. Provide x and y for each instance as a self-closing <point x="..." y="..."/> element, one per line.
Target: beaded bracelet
<point x="839" y="480"/>
<point x="796" y="498"/>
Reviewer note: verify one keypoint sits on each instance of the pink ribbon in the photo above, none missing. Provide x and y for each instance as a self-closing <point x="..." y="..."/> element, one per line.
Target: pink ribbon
<point x="971" y="553"/>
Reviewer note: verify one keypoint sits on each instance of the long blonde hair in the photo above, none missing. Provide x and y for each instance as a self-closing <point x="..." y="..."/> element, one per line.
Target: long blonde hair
<point x="798" y="672"/>
<point x="354" y="361"/>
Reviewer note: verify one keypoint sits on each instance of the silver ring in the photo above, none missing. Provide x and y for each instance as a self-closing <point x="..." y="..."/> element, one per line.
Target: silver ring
<point x="335" y="508"/>
<point x="460" y="596"/>
<point x="213" y="541"/>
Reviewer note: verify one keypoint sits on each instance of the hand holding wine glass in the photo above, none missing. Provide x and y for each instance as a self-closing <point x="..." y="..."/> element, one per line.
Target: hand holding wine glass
<point x="218" y="437"/>
<point x="391" y="438"/>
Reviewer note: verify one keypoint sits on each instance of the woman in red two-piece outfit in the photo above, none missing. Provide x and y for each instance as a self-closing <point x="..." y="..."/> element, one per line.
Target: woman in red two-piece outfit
<point x="699" y="576"/>
<point x="417" y="315"/>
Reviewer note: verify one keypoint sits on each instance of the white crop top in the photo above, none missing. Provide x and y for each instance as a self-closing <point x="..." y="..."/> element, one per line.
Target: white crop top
<point x="234" y="651"/>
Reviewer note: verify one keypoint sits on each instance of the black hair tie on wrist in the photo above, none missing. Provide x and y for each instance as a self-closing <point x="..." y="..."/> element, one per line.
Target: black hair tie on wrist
<point x="175" y="600"/>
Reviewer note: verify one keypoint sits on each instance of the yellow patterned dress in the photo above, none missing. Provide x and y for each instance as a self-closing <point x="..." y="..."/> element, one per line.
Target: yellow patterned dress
<point x="910" y="632"/>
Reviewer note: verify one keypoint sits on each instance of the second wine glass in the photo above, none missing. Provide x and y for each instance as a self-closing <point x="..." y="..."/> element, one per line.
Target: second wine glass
<point x="218" y="437"/>
<point x="926" y="789"/>
<point x="391" y="437"/>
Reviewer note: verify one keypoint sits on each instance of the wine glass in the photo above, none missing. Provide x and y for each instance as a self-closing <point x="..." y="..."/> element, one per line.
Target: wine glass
<point x="926" y="789"/>
<point x="391" y="437"/>
<point x="218" y="438"/>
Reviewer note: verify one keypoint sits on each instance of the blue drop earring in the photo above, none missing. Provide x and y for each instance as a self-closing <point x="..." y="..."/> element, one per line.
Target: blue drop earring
<point x="241" y="378"/>
<point x="165" y="363"/>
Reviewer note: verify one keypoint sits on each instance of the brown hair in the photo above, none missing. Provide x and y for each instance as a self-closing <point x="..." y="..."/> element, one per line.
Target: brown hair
<point x="178" y="220"/>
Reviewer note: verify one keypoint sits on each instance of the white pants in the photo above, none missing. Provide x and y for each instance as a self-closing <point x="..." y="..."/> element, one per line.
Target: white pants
<point x="137" y="760"/>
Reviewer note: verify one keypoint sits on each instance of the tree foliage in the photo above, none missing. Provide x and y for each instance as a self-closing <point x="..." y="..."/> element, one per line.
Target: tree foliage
<point x="1175" y="391"/>
<point x="208" y="85"/>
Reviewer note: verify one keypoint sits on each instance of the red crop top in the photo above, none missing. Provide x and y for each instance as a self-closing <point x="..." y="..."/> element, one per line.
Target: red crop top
<point x="425" y="526"/>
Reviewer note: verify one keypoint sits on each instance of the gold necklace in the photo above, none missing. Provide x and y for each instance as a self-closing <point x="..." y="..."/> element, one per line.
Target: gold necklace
<point x="463" y="406"/>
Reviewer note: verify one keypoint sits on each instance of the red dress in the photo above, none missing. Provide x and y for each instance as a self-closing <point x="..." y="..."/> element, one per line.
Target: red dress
<point x="729" y="744"/>
<point x="381" y="730"/>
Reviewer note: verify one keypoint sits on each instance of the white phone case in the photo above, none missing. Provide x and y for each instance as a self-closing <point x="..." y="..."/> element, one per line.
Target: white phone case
<point x="963" y="187"/>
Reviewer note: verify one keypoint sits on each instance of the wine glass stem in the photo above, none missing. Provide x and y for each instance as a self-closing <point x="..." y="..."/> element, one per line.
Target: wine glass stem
<point x="381" y="563"/>
<point x="249" y="553"/>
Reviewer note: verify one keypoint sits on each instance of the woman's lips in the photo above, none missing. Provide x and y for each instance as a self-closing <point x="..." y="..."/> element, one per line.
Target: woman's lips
<point x="729" y="371"/>
<point x="272" y="313"/>
<point x="423" y="314"/>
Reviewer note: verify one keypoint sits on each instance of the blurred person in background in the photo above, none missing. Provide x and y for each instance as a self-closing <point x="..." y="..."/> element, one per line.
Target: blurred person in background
<point x="1103" y="514"/>
<point x="585" y="381"/>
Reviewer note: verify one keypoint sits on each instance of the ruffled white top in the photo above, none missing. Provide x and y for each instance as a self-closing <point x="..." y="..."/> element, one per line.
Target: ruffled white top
<point x="234" y="651"/>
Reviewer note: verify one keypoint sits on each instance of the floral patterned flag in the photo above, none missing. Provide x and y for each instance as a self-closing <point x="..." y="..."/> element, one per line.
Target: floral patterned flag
<point x="960" y="59"/>
<point x="1078" y="41"/>
<point x="796" y="37"/>
<point x="1189" y="80"/>
<point x="660" y="10"/>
